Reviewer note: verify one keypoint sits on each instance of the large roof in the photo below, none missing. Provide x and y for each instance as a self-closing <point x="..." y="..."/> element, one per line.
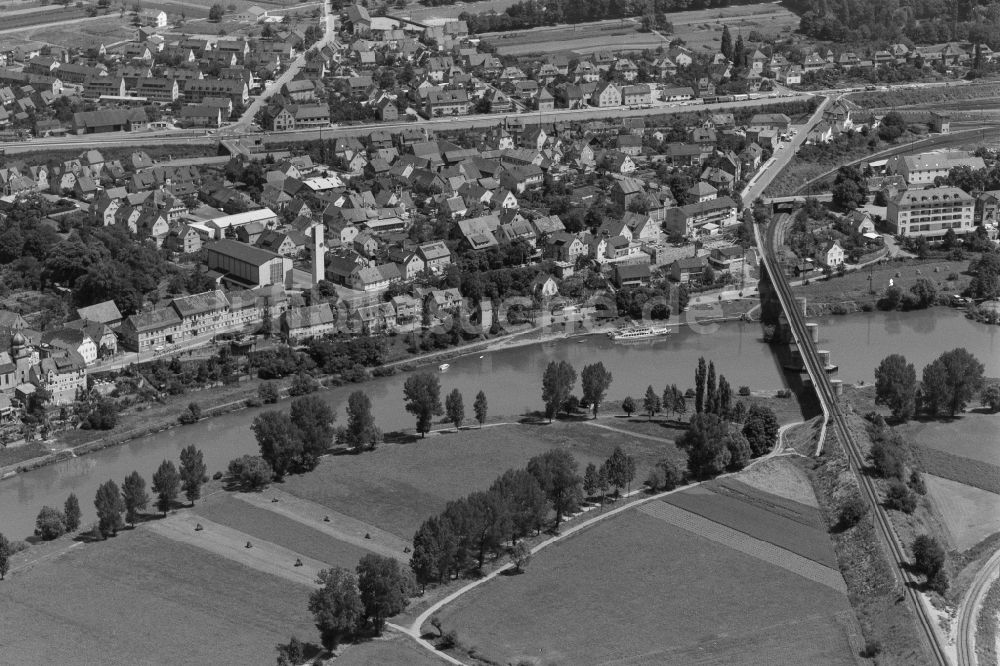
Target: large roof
<point x="243" y="252"/>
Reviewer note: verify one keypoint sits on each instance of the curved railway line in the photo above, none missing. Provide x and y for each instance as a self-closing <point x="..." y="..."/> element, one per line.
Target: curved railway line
<point x="855" y="457"/>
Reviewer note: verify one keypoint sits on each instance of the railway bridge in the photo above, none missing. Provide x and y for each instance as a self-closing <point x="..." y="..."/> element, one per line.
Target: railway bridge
<point x="801" y="333"/>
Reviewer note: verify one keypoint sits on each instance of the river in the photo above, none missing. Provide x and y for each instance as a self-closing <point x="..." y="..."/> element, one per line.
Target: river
<point x="511" y="379"/>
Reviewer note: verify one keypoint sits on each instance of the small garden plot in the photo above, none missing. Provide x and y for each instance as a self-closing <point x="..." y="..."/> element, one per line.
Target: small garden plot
<point x="112" y="602"/>
<point x="797" y="536"/>
<point x="267" y="525"/>
<point x="637" y="590"/>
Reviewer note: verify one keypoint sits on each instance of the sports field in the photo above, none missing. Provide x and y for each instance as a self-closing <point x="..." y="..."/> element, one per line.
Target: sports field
<point x="141" y="598"/>
<point x="639" y="590"/>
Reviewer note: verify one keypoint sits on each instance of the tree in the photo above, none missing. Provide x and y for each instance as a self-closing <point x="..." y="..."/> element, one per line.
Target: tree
<point x="928" y="557"/>
<point x="760" y="429"/>
<point x="555" y="471"/>
<point x="336" y="606"/>
<point x="193" y="472"/>
<point x="888" y="457"/>
<point x="557" y="384"/>
<point x="277" y="441"/>
<point x="71" y="512"/>
<point x="711" y="398"/>
<point x="312" y="419"/>
<point x="520" y="555"/>
<point x="454" y="408"/>
<point x="291" y="653"/>
<point x="595" y="381"/>
<point x="991" y="397"/>
<point x="739" y="450"/>
<point x="422" y="392"/>
<point x="480" y="407"/>
<point x="361" y="429"/>
<point x="739" y="53"/>
<point x="651" y="403"/>
<point x="215" y="13"/>
<point x="621" y="469"/>
<point x="5" y="553"/>
<point x="727" y="43"/>
<point x="166" y="485"/>
<point x="699" y="386"/>
<point x="50" y="524"/>
<point x="951" y="381"/>
<point x="628" y="406"/>
<point x="134" y="496"/>
<point x="384" y="588"/>
<point x="899" y="497"/>
<point x="590" y="480"/>
<point x="924" y="292"/>
<point x="705" y="443"/>
<point x="434" y="550"/>
<point x="724" y="398"/>
<point x="250" y="472"/>
<point x="852" y="511"/>
<point x="109" y="505"/>
<point x="602" y="481"/>
<point x="268" y="393"/>
<point x="896" y="386"/>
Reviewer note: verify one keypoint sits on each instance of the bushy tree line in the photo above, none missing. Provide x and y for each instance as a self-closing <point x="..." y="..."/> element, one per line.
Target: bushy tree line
<point x="352" y="603"/>
<point x="948" y="384"/>
<point x="293" y="441"/>
<point x="516" y="505"/>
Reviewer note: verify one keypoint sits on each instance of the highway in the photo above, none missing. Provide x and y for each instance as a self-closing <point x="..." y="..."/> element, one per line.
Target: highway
<point x="855" y="457"/>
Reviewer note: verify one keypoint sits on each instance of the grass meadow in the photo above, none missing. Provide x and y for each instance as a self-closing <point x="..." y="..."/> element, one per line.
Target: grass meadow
<point x="140" y="598"/>
<point x="640" y="591"/>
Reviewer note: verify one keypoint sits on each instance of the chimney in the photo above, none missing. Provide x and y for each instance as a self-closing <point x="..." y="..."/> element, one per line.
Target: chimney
<point x="318" y="255"/>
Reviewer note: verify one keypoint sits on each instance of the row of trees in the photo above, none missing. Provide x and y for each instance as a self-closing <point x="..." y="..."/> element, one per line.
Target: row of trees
<point x="617" y="472"/>
<point x="422" y="395"/>
<point x="132" y="498"/>
<point x="947" y="384"/>
<point x="516" y="505"/>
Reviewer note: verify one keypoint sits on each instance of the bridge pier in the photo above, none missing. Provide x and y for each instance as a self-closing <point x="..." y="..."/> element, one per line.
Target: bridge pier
<point x="813" y="329"/>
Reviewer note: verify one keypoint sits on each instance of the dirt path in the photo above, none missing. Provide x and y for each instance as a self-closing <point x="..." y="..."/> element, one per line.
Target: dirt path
<point x="264" y="556"/>
<point x="340" y="527"/>
<point x="413" y="630"/>
<point x="662" y="440"/>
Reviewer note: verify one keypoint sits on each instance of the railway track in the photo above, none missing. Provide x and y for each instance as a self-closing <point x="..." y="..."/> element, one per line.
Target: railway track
<point x="855" y="457"/>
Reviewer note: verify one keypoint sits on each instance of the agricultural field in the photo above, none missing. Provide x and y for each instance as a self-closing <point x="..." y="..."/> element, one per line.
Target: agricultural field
<point x="87" y="32"/>
<point x="107" y="602"/>
<point x="577" y="39"/>
<point x="397" y="486"/>
<point x="968" y="514"/>
<point x="795" y="527"/>
<point x="971" y="435"/>
<point x="391" y="648"/>
<point x="671" y="596"/>
<point x="700" y="29"/>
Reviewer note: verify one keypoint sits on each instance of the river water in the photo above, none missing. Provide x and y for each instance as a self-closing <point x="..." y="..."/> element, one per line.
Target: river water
<point x="511" y="379"/>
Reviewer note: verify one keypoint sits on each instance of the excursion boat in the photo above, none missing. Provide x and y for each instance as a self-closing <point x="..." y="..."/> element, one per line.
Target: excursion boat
<point x="638" y="333"/>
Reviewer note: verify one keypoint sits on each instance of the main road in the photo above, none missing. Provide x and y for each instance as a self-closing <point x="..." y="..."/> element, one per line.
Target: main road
<point x="855" y="456"/>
